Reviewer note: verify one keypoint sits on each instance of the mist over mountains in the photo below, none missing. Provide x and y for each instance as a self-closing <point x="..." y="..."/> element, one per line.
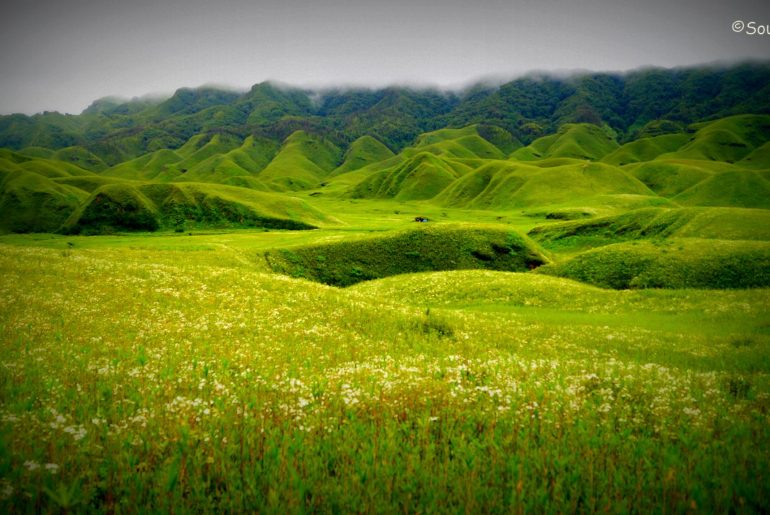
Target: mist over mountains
<point x="527" y="107"/>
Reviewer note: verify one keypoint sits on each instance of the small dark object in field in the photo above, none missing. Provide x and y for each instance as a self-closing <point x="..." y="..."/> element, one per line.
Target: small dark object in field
<point x="70" y="244"/>
<point x="420" y="219"/>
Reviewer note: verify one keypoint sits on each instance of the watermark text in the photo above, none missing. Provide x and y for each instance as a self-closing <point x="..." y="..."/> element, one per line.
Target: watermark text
<point x="751" y="28"/>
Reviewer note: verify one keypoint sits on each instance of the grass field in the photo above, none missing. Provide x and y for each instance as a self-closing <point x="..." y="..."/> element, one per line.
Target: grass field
<point x="169" y="372"/>
<point x="580" y="326"/>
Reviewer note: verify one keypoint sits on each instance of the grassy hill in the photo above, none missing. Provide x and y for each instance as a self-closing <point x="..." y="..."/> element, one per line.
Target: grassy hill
<point x="577" y="141"/>
<point x="646" y="149"/>
<point x="508" y="184"/>
<point x="362" y="152"/>
<point x="671" y="263"/>
<point x="441" y="247"/>
<point x="419" y="177"/>
<point x="302" y="163"/>
<point x="649" y="223"/>
<point x="580" y="169"/>
<point x="180" y="206"/>
<point x="727" y="140"/>
<point x="33" y="203"/>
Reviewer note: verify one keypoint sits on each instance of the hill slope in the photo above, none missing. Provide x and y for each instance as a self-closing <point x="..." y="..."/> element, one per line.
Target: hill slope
<point x="422" y="249"/>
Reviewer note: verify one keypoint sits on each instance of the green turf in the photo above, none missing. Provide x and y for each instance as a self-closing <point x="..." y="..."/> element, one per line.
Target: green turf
<point x="303" y="162"/>
<point x="671" y="263"/>
<point x="182" y="206"/>
<point x="440" y="247"/>
<point x="579" y="141"/>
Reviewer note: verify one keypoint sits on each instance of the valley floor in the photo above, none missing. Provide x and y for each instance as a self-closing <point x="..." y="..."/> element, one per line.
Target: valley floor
<point x="175" y="372"/>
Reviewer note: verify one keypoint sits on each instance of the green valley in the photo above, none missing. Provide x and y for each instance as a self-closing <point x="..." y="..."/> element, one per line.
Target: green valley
<point x="549" y="295"/>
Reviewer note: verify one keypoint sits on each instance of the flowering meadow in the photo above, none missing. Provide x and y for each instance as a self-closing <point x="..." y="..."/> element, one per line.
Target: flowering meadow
<point x="191" y="381"/>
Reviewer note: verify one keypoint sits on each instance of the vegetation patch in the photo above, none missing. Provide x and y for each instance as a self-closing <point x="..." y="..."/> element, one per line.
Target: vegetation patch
<point x="149" y="207"/>
<point x="672" y="263"/>
<point x="648" y="223"/>
<point x="424" y="249"/>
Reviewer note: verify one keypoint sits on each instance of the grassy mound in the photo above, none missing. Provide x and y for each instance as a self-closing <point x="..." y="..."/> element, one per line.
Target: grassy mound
<point x="468" y="288"/>
<point x="418" y="250"/>
<point x="158" y="165"/>
<point x="215" y="158"/>
<point x="711" y="223"/>
<point x="728" y="139"/>
<point x="674" y="263"/>
<point x="32" y="203"/>
<point x="670" y="178"/>
<point x="362" y="152"/>
<point x="80" y="157"/>
<point x="303" y="161"/>
<point x="579" y="141"/>
<point x="507" y="184"/>
<point x="421" y="177"/>
<point x="114" y="207"/>
<point x="759" y="158"/>
<point x="464" y="143"/>
<point x="180" y="206"/>
<point x="739" y="188"/>
<point x="646" y="149"/>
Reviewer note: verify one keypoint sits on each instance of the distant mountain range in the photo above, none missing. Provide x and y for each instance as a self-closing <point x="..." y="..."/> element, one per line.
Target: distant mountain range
<point x="526" y="108"/>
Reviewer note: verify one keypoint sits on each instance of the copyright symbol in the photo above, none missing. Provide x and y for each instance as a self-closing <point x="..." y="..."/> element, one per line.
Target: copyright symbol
<point x="738" y="26"/>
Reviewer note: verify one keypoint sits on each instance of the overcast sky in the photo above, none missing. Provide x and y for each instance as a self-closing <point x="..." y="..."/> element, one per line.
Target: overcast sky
<point x="63" y="54"/>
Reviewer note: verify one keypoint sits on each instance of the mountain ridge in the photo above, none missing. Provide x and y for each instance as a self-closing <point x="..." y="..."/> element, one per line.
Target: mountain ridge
<point x="526" y="107"/>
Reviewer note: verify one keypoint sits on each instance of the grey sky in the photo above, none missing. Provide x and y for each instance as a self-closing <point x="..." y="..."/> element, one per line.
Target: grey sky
<point x="63" y="54"/>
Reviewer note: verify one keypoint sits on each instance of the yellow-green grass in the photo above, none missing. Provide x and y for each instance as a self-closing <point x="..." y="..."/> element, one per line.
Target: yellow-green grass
<point x="712" y="223"/>
<point x="759" y="158"/>
<point x="33" y="203"/>
<point x="728" y="139"/>
<point x="157" y="165"/>
<point x="646" y="149"/>
<point x="433" y="247"/>
<point x="580" y="141"/>
<point x="670" y="263"/>
<point x="129" y="385"/>
<point x="419" y="177"/>
<point x="545" y="299"/>
<point x="510" y="184"/>
<point x="463" y="143"/>
<point x="739" y="188"/>
<point x="303" y="161"/>
<point x="362" y="152"/>
<point x="180" y="206"/>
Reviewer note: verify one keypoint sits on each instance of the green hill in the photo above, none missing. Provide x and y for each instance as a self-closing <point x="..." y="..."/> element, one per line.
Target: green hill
<point x="149" y="207"/>
<point x="157" y="165"/>
<point x="465" y="143"/>
<point x="507" y="184"/>
<point x="33" y="203"/>
<point x="419" y="177"/>
<point x="302" y="163"/>
<point x="464" y="288"/>
<point x="646" y="149"/>
<point x="362" y="152"/>
<point x="712" y="223"/>
<point x="670" y="178"/>
<point x="739" y="188"/>
<point x="672" y="263"/>
<point x="441" y="247"/>
<point x="727" y="140"/>
<point x="578" y="141"/>
<point x="758" y="158"/>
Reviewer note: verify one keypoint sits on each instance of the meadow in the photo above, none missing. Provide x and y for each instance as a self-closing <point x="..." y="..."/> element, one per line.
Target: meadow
<point x="176" y="372"/>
